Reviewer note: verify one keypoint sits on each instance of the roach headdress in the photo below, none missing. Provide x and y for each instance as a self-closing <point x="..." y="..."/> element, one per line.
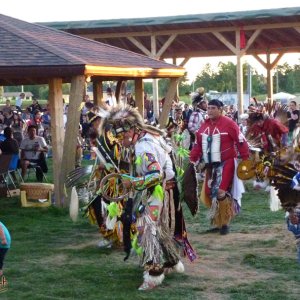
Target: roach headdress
<point x="122" y="118"/>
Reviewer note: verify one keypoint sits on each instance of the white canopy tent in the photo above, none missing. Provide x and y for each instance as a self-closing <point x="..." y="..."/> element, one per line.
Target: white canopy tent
<point x="284" y="98"/>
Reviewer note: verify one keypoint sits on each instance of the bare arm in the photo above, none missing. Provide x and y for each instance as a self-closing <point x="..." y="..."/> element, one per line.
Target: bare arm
<point x="2" y="236"/>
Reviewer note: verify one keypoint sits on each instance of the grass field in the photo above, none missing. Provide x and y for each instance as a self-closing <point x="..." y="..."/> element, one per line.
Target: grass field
<point x="53" y="258"/>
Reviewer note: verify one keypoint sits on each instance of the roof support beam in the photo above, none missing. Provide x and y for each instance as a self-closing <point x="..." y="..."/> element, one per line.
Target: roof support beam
<point x="272" y="64"/>
<point x="269" y="65"/>
<point x="252" y="39"/>
<point x="185" y="60"/>
<point x="297" y="29"/>
<point x="139" y="45"/>
<point x="166" y="45"/>
<point x="259" y="60"/>
<point x="276" y="60"/>
<point x="221" y="38"/>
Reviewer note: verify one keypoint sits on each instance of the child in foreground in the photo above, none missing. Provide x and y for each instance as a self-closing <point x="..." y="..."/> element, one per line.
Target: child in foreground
<point x="5" y="241"/>
<point x="293" y="225"/>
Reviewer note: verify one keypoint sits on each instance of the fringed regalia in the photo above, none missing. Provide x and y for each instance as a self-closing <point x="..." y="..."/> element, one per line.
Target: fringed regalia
<point x="153" y="223"/>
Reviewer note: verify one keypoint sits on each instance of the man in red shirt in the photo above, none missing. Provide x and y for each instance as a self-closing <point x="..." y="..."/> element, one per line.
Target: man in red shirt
<point x="217" y="142"/>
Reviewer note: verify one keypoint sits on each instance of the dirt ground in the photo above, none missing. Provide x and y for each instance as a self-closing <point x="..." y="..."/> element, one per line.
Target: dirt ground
<point x="222" y="256"/>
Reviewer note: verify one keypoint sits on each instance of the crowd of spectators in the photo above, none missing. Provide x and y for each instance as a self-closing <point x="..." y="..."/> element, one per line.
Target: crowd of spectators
<point x="182" y="117"/>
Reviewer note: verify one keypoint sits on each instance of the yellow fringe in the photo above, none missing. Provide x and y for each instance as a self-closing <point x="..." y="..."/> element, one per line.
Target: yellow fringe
<point x="225" y="210"/>
<point x="224" y="214"/>
<point x="205" y="199"/>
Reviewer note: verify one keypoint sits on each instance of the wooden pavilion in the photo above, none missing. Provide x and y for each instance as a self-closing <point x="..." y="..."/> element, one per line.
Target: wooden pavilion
<point x="259" y="32"/>
<point x="35" y="54"/>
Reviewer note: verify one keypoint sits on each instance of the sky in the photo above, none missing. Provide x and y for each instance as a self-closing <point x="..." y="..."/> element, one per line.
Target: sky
<point x="73" y="10"/>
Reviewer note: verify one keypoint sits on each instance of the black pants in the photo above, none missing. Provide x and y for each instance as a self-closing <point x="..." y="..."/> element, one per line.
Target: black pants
<point x="2" y="255"/>
<point x="42" y="166"/>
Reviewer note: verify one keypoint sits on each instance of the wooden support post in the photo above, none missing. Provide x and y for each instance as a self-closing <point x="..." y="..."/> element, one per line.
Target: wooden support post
<point x="177" y="90"/>
<point x="239" y="85"/>
<point x="139" y="95"/>
<point x="155" y="98"/>
<point x="239" y="73"/>
<point x="57" y="134"/>
<point x="98" y="92"/>
<point x="269" y="78"/>
<point x="72" y="127"/>
<point x="168" y="102"/>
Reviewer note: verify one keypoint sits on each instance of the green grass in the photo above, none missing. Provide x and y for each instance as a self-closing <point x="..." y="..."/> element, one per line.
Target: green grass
<point x="53" y="258"/>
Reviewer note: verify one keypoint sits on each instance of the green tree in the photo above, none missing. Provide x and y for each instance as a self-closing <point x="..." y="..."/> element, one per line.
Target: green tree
<point x="206" y="78"/>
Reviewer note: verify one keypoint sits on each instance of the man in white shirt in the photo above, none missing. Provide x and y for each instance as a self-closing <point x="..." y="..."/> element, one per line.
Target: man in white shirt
<point x="19" y="102"/>
<point x="110" y="98"/>
<point x="33" y="149"/>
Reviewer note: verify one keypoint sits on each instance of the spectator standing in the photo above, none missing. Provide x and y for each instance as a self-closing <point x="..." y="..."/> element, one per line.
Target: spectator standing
<point x="35" y="106"/>
<point x="130" y="100"/>
<point x="293" y="119"/>
<point x="110" y="98"/>
<point x="19" y="102"/>
<point x="27" y="116"/>
<point x="186" y="114"/>
<point x="244" y="123"/>
<point x="7" y="113"/>
<point x="148" y="107"/>
<point x="1" y="121"/>
<point x="18" y="126"/>
<point x="46" y="119"/>
<point x="85" y="127"/>
<point x="198" y="116"/>
<point x="86" y="100"/>
<point x="90" y="113"/>
<point x="232" y="113"/>
<point x="7" y="109"/>
<point x="79" y="148"/>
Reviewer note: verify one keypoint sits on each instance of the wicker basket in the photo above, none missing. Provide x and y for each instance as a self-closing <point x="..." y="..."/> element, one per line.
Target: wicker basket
<point x="35" y="190"/>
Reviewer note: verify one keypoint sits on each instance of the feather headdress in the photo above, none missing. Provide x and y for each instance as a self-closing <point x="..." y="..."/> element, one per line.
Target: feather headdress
<point x="122" y="118"/>
<point x="266" y="110"/>
<point x="282" y="180"/>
